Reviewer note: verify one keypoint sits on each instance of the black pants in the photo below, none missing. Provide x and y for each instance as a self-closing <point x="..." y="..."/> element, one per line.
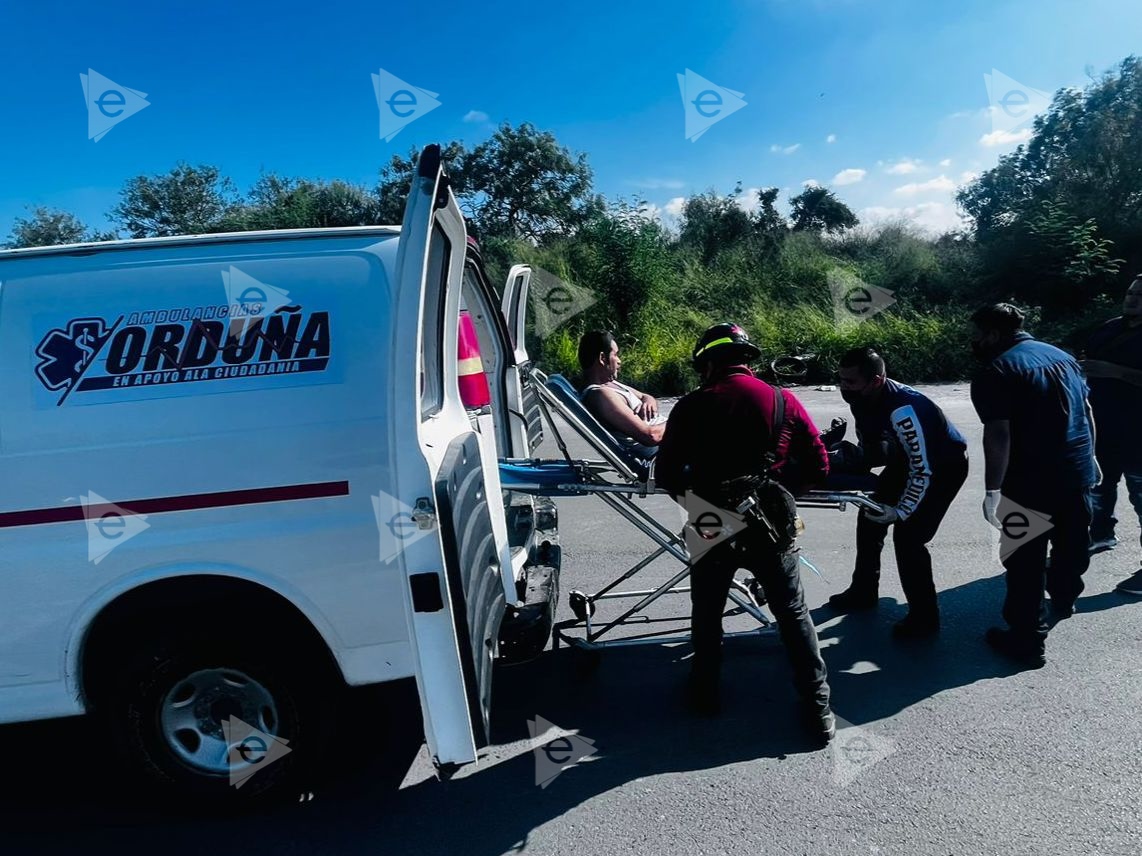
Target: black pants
<point x="1027" y="571"/>
<point x="1117" y="457"/>
<point x="910" y="538"/>
<point x="710" y="580"/>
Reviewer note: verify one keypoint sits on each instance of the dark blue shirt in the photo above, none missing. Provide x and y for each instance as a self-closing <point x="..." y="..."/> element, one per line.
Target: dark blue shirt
<point x="1117" y="404"/>
<point x="1041" y="391"/>
<point x="907" y="432"/>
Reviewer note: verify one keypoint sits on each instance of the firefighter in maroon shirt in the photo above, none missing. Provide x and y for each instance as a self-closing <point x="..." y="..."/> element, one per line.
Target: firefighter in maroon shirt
<point x="722" y="431"/>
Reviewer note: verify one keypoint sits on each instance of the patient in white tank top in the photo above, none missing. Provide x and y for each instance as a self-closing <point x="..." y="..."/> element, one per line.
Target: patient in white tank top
<point x="632" y="416"/>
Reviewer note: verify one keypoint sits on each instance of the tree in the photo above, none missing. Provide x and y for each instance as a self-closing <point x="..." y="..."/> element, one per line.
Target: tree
<point x="275" y="202"/>
<point x="768" y="219"/>
<point x="522" y="184"/>
<point x="519" y="184"/>
<point x="185" y="201"/>
<point x="1083" y="156"/>
<point x="47" y="227"/>
<point x="818" y="209"/>
<point x="712" y="223"/>
<point x="396" y="180"/>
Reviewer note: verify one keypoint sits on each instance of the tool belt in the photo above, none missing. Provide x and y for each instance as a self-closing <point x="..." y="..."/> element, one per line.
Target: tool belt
<point x="767" y="507"/>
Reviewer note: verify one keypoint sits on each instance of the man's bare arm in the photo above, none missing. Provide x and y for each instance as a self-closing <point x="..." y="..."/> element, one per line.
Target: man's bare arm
<point x="996" y="452"/>
<point x="648" y="406"/>
<point x="612" y="410"/>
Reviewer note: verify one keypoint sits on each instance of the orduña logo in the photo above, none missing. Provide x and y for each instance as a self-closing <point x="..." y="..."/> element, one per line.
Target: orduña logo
<point x="706" y="103"/>
<point x="707" y="525"/>
<point x="400" y="103"/>
<point x="252" y="298"/>
<point x="855" y="300"/>
<point x="248" y="750"/>
<point x="1018" y="526"/>
<point x="552" y="757"/>
<point x="555" y="302"/>
<point x="396" y="526"/>
<point x="108" y="103"/>
<point x="108" y="525"/>
<point x="855" y="751"/>
<point x="1013" y="105"/>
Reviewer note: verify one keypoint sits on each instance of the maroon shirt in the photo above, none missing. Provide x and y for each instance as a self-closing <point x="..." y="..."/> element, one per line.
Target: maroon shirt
<point x="724" y="430"/>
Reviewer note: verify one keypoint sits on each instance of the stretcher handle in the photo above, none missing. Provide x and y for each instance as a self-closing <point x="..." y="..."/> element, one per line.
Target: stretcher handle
<point x="839" y="499"/>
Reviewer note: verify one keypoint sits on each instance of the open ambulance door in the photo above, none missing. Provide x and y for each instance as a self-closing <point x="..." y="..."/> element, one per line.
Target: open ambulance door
<point x="526" y="416"/>
<point x="457" y="585"/>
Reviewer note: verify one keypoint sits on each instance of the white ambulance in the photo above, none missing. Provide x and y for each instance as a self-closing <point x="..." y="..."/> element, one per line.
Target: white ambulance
<point x="238" y="475"/>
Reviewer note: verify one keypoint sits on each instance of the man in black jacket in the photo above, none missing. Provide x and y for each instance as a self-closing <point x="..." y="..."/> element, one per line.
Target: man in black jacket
<point x="1113" y="366"/>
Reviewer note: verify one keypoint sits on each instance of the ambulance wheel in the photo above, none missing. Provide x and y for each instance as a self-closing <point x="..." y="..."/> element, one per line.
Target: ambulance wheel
<point x="218" y="723"/>
<point x="581" y="605"/>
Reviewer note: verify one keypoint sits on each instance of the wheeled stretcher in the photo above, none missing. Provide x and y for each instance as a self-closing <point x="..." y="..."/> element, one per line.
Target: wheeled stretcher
<point x="620" y="475"/>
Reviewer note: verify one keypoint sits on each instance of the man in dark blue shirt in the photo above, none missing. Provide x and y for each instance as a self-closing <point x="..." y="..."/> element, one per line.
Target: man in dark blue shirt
<point x="925" y="465"/>
<point x="1113" y="366"/>
<point x="1038" y="442"/>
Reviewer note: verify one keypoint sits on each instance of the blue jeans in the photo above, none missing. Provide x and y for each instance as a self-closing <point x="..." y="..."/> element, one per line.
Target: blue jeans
<point x="1115" y="459"/>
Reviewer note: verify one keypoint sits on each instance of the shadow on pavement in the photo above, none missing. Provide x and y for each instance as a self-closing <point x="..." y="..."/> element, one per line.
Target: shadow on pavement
<point x="58" y="796"/>
<point x="874" y="676"/>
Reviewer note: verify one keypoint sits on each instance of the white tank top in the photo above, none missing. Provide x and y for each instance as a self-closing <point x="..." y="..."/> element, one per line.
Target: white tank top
<point x="626" y="392"/>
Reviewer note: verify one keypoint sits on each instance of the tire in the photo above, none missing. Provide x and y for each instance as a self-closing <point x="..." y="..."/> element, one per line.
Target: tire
<point x="183" y="714"/>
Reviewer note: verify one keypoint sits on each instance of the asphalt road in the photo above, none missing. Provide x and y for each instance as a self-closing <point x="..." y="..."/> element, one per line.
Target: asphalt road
<point x="944" y="747"/>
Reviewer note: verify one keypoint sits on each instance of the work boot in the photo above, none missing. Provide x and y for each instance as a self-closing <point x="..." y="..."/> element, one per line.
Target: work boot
<point x="1131" y="585"/>
<point x="1030" y="655"/>
<point x="1101" y="545"/>
<point x="853" y="599"/>
<point x="916" y="626"/>
<point x="819" y="722"/>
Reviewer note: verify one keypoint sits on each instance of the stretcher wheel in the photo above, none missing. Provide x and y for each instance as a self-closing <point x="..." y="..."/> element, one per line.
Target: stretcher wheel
<point x="581" y="605"/>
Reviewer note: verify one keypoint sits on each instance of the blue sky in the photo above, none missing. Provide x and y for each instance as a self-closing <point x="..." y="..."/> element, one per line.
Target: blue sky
<point x="898" y="87"/>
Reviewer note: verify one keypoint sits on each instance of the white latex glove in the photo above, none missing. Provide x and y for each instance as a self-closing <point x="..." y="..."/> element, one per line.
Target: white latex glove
<point x="890" y="515"/>
<point x="990" y="507"/>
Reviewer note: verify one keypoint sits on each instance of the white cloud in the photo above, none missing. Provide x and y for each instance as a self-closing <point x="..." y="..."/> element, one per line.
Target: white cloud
<point x="832" y="138"/>
<point x="969" y="176"/>
<point x="674" y="206"/>
<point x="475" y="116"/>
<point x="747" y="200"/>
<point x="849" y="176"/>
<point x="933" y="185"/>
<point x="938" y="217"/>
<point x="1005" y="138"/>
<point x="810" y="182"/>
<point x="946" y="162"/>
<point x="784" y="150"/>
<point x="905" y="166"/>
<point x="659" y="184"/>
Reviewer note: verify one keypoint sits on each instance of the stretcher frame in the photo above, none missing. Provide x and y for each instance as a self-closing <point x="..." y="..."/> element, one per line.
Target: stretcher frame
<point x="617" y="480"/>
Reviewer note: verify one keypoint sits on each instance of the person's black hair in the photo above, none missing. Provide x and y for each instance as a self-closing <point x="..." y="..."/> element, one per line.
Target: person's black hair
<point x="1002" y="318"/>
<point x="592" y="344"/>
<point x="867" y="360"/>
